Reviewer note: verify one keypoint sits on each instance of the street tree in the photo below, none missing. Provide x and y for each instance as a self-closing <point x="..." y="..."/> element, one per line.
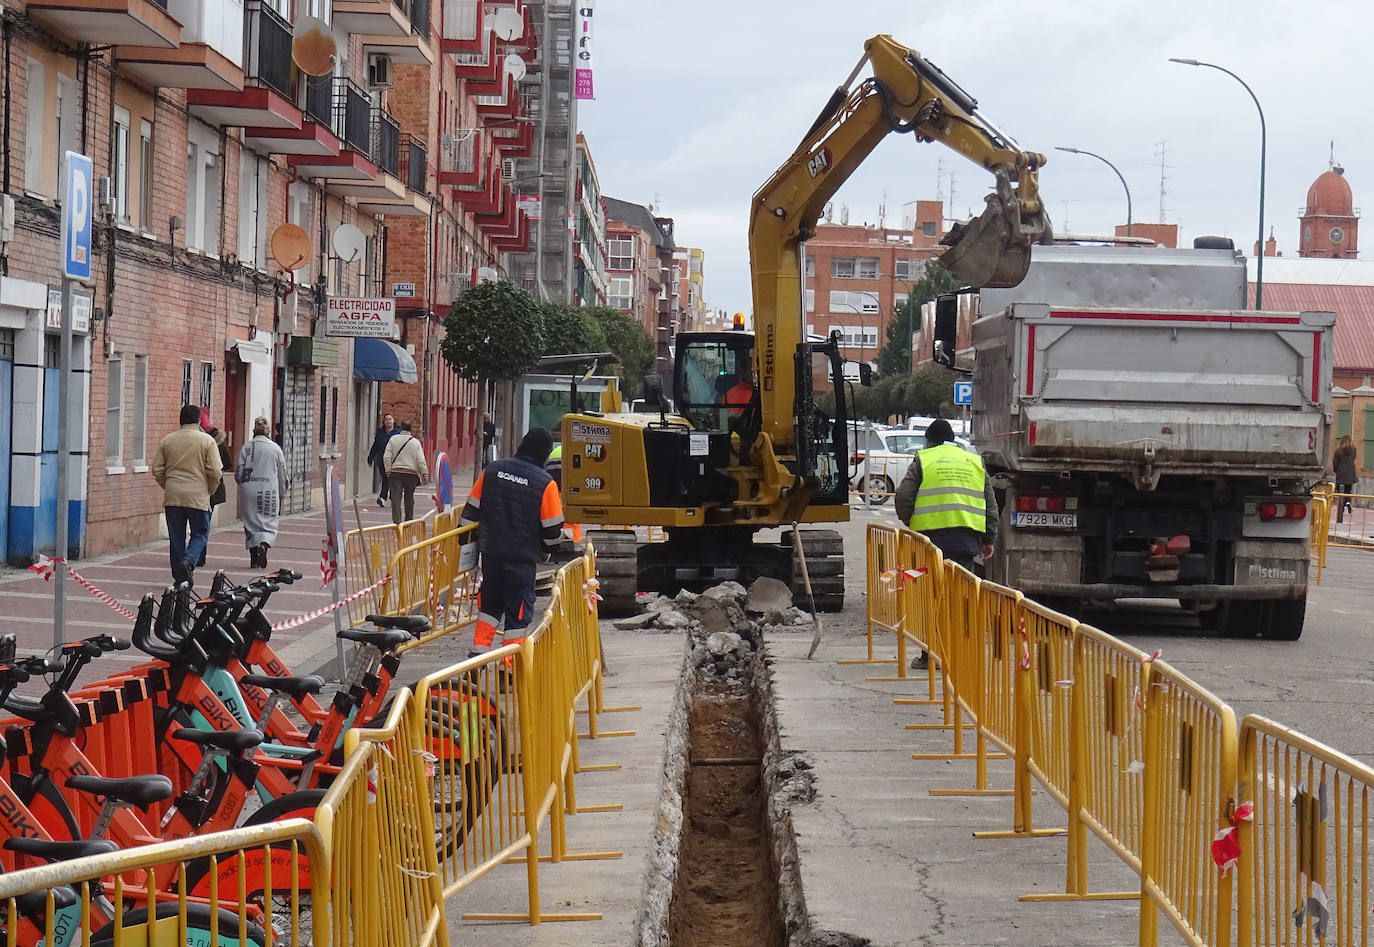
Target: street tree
<point x="626" y="338"/>
<point x="570" y="330"/>
<point x="895" y="356"/>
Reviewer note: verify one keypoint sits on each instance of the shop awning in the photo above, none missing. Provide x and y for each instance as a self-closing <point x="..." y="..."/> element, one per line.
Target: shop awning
<point x="382" y="360"/>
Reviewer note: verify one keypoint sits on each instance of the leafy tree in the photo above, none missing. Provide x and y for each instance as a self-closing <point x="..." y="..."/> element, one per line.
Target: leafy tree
<point x="569" y="330"/>
<point x="627" y="339"/>
<point x="493" y="332"/>
<point x="895" y="357"/>
<point x="928" y="392"/>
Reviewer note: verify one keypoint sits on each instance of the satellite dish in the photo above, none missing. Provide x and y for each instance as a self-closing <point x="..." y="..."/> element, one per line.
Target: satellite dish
<point x="349" y="243"/>
<point x="507" y="24"/>
<point x="486" y="274"/>
<point x="312" y="46"/>
<point x="290" y="246"/>
<point x="515" y="67"/>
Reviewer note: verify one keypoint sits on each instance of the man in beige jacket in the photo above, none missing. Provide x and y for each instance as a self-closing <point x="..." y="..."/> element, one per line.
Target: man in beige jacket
<point x="187" y="468"/>
<point x="405" y="464"/>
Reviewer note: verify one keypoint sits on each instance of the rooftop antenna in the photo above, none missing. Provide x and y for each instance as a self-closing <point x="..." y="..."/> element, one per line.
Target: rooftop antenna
<point x="1162" y="153"/>
<point x="1331" y="161"/>
<point x="844" y="215"/>
<point x="953" y="176"/>
<point x="940" y="179"/>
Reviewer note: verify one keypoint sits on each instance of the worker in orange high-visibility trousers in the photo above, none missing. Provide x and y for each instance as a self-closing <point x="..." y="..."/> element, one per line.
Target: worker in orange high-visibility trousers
<point x="520" y="520"/>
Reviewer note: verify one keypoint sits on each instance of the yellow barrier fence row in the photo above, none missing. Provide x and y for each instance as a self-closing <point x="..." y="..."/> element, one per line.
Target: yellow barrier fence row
<point x="1141" y="757"/>
<point x="1352" y="526"/>
<point x="366" y="554"/>
<point x="437" y="578"/>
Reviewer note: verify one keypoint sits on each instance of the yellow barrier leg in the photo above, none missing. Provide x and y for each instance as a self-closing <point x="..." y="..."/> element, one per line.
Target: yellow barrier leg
<point x="1022" y="786"/>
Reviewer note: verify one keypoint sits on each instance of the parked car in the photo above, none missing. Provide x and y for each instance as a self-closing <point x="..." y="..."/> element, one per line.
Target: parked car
<point x="885" y="459"/>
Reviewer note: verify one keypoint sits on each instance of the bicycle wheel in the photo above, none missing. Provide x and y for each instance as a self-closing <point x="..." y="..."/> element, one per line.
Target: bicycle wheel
<point x="138" y="931"/>
<point x="281" y="909"/>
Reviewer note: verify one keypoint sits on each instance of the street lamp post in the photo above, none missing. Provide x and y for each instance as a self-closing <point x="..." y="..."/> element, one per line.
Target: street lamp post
<point x="1259" y="248"/>
<point x="1080" y="151"/>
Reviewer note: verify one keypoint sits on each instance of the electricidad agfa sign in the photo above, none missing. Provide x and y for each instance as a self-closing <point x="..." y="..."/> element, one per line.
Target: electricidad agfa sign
<point x="369" y="318"/>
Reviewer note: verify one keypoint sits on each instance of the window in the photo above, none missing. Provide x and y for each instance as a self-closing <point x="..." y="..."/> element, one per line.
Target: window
<point x="114" y="411"/>
<point x="186" y="381"/>
<point x="35" y="122"/>
<point x="324" y="412"/>
<point x="621" y="294"/>
<point x="842" y="267"/>
<point x="145" y="174"/>
<point x="298" y="212"/>
<point x="140" y="431"/>
<point x="857" y="337"/>
<point x="928" y="228"/>
<point x="334" y="416"/>
<point x="842" y="301"/>
<point x="367" y="271"/>
<point x="207" y="384"/>
<point x="119" y="163"/>
<point x="810" y="265"/>
<point x="68" y="117"/>
<point x="810" y="300"/>
<point x="899" y="302"/>
<point x="252" y="210"/>
<point x="909" y="270"/>
<point x="621" y="253"/>
<point x="1343" y="421"/>
<point x="866" y="267"/>
<point x="203" y="169"/>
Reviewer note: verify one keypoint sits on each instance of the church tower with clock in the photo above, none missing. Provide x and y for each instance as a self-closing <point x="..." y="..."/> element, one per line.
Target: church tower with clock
<point x="1329" y="226"/>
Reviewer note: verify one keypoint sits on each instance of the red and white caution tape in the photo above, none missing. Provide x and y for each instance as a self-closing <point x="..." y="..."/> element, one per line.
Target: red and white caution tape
<point x="1025" y="661"/>
<point x="46" y="567"/>
<point x="327" y="567"/>
<point x="589" y="592"/>
<point x="323" y="610"/>
<point x="1226" y="843"/>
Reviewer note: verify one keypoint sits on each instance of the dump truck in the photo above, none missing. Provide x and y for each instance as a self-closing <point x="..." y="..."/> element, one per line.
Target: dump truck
<point x="1148" y="434"/>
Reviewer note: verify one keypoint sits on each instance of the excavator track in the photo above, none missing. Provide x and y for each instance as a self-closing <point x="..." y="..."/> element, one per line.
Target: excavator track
<point x="617" y="568"/>
<point x="824" y="550"/>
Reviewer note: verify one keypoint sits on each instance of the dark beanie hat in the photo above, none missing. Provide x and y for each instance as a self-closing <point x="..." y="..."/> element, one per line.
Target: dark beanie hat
<point x="536" y="445"/>
<point x="939" y="432"/>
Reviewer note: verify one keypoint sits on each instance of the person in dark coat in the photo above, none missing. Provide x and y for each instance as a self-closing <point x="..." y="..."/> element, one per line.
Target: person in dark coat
<point x="374" y="457"/>
<point x="1345" y="473"/>
<point x="220" y="494"/>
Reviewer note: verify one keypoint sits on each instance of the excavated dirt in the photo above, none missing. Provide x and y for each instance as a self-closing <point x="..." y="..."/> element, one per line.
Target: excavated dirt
<point x="726" y="891"/>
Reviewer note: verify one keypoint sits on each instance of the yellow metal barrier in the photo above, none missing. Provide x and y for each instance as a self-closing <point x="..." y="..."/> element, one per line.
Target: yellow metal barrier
<point x="377" y="819"/>
<point x="883" y="584"/>
<point x="1045" y="654"/>
<point x="1190" y="780"/>
<point x="366" y="554"/>
<point x="917" y="574"/>
<point x="1352" y="526"/>
<point x="1304" y="859"/>
<point x="1321" y="530"/>
<point x="436" y="578"/>
<point x="262" y="897"/>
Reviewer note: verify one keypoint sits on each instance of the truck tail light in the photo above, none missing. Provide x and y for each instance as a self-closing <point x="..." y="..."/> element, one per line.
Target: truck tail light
<point x="1044" y="503"/>
<point x="856" y="458"/>
<point x="1270" y="510"/>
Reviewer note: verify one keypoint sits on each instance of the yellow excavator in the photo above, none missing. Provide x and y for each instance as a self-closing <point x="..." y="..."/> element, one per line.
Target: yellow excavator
<point x="757" y="434"/>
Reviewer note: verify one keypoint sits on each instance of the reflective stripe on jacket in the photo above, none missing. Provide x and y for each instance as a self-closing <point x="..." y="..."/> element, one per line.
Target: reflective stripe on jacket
<point x="952" y="490"/>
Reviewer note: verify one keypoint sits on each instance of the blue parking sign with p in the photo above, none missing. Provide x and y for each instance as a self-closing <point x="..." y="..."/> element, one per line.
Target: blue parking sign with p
<point x="76" y="217"/>
<point x="963" y="392"/>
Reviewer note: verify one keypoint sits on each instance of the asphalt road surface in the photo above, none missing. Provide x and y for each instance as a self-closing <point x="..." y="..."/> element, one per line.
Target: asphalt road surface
<point x="1321" y="685"/>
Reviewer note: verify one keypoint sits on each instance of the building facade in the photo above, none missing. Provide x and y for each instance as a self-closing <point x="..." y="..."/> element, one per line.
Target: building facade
<point x="1329" y="226"/>
<point x="639" y="273"/>
<point x="208" y="136"/>
<point x="589" y="233"/>
<point x="858" y="276"/>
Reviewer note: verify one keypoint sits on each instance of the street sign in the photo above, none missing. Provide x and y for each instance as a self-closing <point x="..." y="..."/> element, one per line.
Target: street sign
<point x="76" y="217"/>
<point x="963" y="392"/>
<point x="403" y="289"/>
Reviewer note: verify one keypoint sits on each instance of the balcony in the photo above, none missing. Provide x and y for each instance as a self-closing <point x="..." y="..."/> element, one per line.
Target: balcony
<point x="372" y="17"/>
<point x="266" y="100"/>
<point x="209" y="54"/>
<point x="461" y="164"/>
<point x="349" y="123"/>
<point x="413" y="168"/>
<point x="313" y="135"/>
<point x="386" y="142"/>
<point x="384" y="193"/>
<point x="411" y="48"/>
<point x="102" y="22"/>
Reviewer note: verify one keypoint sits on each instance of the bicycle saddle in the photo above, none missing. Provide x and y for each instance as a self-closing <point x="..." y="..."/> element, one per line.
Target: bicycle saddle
<point x="415" y="624"/>
<point x="293" y="686"/>
<point x="58" y="851"/>
<point x="141" y="791"/>
<point x="231" y="741"/>
<point x="386" y="639"/>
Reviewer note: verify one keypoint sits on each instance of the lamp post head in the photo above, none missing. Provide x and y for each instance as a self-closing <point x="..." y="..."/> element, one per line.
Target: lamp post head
<point x="1185" y="62"/>
<point x="1072" y="151"/>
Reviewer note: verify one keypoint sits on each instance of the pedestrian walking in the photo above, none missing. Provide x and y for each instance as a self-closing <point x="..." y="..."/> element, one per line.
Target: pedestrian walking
<point x="220" y="494"/>
<point x="261" y="476"/>
<point x="188" y="469"/>
<point x="1343" y="468"/>
<point x="947" y="497"/>
<point x="405" y="464"/>
<point x="488" y="440"/>
<point x="520" y="520"/>
<point x="376" y="456"/>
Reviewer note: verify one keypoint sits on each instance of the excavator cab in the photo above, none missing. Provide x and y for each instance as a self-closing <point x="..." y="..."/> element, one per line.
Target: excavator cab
<point x="713" y="378"/>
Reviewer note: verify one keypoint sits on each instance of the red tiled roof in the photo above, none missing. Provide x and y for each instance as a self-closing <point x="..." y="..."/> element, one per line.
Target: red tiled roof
<point x="1354" y="309"/>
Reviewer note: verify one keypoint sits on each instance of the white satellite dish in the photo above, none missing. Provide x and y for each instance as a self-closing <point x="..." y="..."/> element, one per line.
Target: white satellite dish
<point x="507" y="24"/>
<point x="515" y="67"/>
<point x="349" y="243"/>
<point x="486" y="274"/>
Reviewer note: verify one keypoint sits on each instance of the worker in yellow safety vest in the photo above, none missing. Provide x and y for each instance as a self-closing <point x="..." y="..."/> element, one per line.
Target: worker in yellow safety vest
<point x="946" y="496"/>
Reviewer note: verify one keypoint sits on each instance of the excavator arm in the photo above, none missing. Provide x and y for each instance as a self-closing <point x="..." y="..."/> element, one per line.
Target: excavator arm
<point x="904" y="94"/>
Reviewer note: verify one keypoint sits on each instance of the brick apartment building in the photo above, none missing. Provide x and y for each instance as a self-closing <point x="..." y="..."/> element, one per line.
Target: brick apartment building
<point x="640" y="273"/>
<point x="212" y="138"/>
<point x="589" y="232"/>
<point x="857" y="276"/>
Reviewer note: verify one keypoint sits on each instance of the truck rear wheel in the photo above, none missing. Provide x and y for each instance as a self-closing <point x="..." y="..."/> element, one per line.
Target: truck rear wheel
<point x="1276" y="619"/>
<point x="617" y="568"/>
<point x="1284" y="619"/>
<point x="824" y="551"/>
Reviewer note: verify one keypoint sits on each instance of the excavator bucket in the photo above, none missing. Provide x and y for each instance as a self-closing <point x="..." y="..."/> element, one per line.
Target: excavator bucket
<point x="994" y="248"/>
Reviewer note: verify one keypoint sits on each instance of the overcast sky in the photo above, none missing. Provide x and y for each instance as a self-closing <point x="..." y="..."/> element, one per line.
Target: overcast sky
<point x="699" y="102"/>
